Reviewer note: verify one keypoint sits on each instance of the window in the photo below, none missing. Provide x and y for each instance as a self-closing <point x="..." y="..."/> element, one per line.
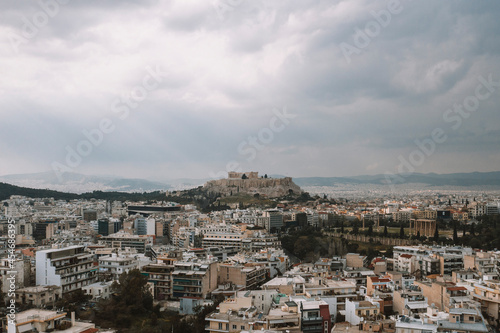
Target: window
<point x="242" y="327"/>
<point x="220" y="326"/>
<point x="234" y="327"/>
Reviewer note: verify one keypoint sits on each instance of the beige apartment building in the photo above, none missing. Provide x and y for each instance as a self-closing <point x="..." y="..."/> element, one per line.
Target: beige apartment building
<point x="194" y="278"/>
<point x="250" y="277"/>
<point x="443" y="294"/>
<point x="488" y="294"/>
<point x="38" y="296"/>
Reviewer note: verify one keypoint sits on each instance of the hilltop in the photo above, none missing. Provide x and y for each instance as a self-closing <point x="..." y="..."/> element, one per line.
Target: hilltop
<point x="250" y="183"/>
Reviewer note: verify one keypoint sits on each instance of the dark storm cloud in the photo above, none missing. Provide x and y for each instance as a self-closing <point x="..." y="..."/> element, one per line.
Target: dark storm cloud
<point x="226" y="70"/>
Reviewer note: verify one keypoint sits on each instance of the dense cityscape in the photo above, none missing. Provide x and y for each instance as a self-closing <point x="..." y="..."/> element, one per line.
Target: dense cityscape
<point x="242" y="166"/>
<point x="266" y="258"/>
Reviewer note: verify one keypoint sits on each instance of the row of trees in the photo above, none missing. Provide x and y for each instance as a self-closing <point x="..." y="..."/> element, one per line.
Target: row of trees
<point x="484" y="234"/>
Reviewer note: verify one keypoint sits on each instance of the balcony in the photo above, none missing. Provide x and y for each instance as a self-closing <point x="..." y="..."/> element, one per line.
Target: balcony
<point x="486" y="298"/>
<point x="315" y="328"/>
<point x="313" y="320"/>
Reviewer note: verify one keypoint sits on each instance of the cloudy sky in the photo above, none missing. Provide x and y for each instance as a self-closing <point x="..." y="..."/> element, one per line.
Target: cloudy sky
<point x="167" y="89"/>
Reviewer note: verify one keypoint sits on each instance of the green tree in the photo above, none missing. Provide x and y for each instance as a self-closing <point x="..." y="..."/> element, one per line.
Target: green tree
<point x="402" y="232"/>
<point x="370" y="230"/>
<point x="385" y="231"/>
<point x="472" y="233"/>
<point x="355" y="228"/>
<point x="342" y="226"/>
<point x="130" y="301"/>
<point x="455" y="233"/>
<point x="436" y="234"/>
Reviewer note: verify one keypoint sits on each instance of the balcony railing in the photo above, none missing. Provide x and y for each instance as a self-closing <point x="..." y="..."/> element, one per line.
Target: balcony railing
<point x="312" y="320"/>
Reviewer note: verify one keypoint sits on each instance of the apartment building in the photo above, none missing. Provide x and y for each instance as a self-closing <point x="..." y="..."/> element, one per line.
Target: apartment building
<point x="236" y="320"/>
<point x="358" y="311"/>
<point x="488" y="294"/>
<point x="275" y="220"/>
<point x="401" y="216"/>
<point x="315" y="317"/>
<point x="250" y="277"/>
<point x="450" y="262"/>
<point x="98" y="290"/>
<point x="355" y="260"/>
<point x="114" y="265"/>
<point x="222" y="239"/>
<point x="410" y="302"/>
<point x="160" y="275"/>
<point x="463" y="320"/>
<point x="22" y="269"/>
<point x="430" y="265"/>
<point x="38" y="320"/>
<point x="38" y="296"/>
<point x="383" y="284"/>
<point x="194" y="278"/>
<point x="260" y="242"/>
<point x="70" y="268"/>
<point x="406" y="263"/>
<point x="122" y="240"/>
<point x="443" y="294"/>
<point x="482" y="262"/>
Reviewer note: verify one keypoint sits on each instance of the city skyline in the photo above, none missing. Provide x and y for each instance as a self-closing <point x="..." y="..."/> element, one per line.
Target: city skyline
<point x="195" y="89"/>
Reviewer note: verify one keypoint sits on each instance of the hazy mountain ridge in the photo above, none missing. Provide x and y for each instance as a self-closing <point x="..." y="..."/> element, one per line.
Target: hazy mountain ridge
<point x="79" y="183"/>
<point x="433" y="179"/>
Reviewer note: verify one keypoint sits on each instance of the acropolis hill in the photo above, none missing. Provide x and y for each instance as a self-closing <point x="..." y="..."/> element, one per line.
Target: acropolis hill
<point x="251" y="183"/>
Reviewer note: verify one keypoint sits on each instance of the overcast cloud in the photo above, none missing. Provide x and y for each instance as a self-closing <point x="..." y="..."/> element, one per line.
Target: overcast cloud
<point x="227" y="67"/>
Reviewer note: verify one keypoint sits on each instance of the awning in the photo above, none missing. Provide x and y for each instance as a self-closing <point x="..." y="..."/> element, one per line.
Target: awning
<point x="24" y="328"/>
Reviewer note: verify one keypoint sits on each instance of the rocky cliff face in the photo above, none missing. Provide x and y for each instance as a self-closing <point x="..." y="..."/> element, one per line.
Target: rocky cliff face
<point x="269" y="187"/>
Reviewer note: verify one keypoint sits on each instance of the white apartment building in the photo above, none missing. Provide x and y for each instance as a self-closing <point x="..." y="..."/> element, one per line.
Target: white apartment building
<point x="70" y="268"/>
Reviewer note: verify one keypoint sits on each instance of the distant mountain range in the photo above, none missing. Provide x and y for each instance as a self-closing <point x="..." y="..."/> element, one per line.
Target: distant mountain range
<point x="79" y="183"/>
<point x="433" y="179"/>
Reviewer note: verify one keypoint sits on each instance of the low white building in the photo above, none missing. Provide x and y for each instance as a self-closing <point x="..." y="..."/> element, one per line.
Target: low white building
<point x="115" y="265"/>
<point x="98" y="290"/>
<point x="358" y="311"/>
